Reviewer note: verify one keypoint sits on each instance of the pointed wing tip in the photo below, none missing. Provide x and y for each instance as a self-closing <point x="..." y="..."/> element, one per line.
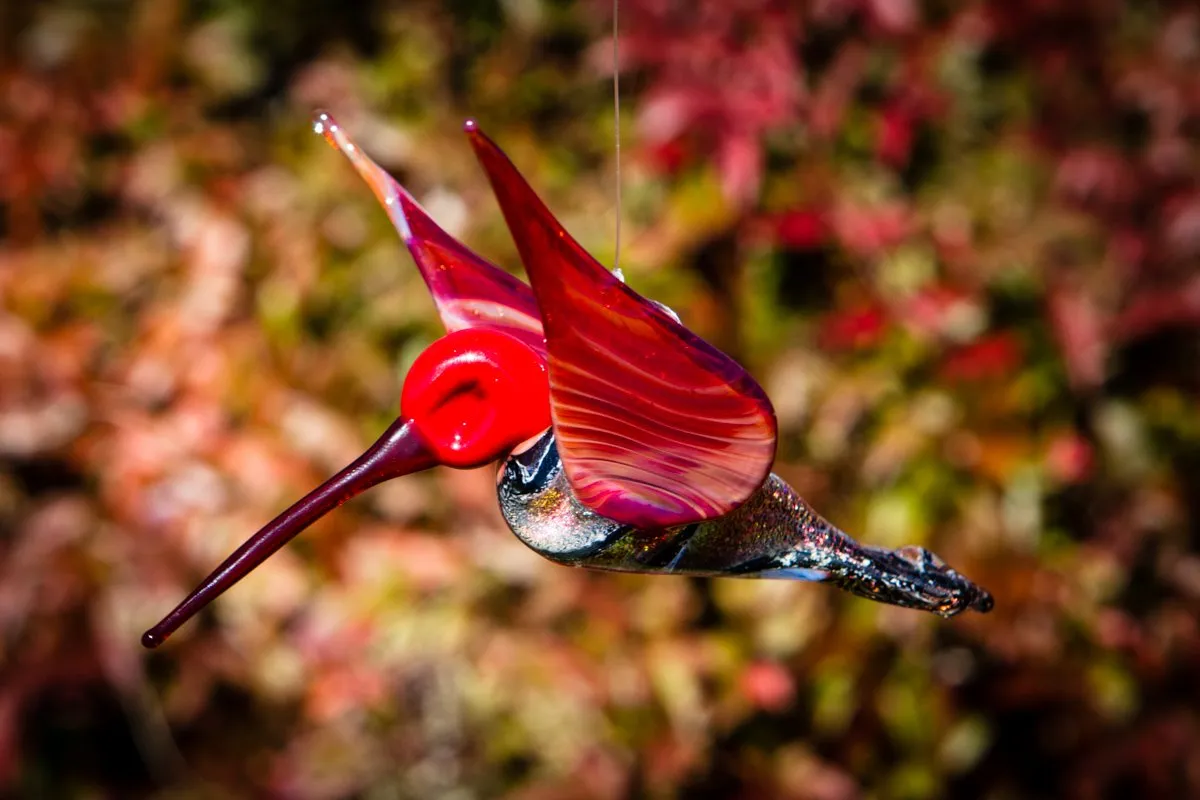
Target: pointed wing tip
<point x="481" y="143"/>
<point x="325" y="126"/>
<point x="394" y="198"/>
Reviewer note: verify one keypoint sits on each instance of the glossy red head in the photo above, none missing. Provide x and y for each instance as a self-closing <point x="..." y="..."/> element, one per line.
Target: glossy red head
<point x="470" y="398"/>
<point x="473" y="395"/>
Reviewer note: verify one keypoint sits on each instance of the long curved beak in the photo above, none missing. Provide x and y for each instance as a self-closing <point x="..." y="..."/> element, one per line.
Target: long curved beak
<point x="399" y="451"/>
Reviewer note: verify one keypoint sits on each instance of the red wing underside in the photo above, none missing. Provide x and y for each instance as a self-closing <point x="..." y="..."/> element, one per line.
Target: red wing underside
<point x="655" y="427"/>
<point x="468" y="290"/>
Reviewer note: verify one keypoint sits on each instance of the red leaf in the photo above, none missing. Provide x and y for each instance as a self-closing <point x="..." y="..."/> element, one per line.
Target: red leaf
<point x="992" y="357"/>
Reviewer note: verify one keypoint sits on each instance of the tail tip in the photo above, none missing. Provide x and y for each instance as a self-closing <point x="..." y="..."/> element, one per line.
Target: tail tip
<point x="984" y="602"/>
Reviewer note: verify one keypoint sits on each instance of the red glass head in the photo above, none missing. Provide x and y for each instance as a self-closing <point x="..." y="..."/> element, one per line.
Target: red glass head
<point x="473" y="395"/>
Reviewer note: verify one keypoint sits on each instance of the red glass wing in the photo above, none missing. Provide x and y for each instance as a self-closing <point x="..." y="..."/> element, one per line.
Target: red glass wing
<point x="655" y="426"/>
<point x="468" y="290"/>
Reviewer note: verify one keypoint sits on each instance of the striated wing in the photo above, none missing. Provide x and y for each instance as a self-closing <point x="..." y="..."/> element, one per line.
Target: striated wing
<point x="655" y="426"/>
<point x="468" y="290"/>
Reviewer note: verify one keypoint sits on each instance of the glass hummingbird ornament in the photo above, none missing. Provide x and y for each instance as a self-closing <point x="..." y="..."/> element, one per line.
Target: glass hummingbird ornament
<point x="625" y="441"/>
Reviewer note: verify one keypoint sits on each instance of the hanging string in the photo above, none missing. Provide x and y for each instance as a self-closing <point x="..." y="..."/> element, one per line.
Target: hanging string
<point x="617" y="133"/>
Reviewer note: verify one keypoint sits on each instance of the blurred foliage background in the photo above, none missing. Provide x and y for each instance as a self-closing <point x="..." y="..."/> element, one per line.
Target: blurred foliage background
<point x="958" y="244"/>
